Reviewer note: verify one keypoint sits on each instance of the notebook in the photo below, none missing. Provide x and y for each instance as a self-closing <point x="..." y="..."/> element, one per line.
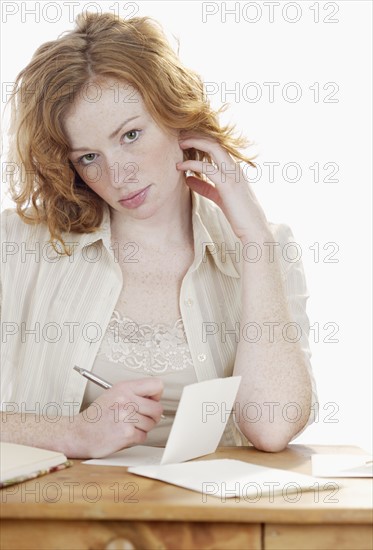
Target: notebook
<point x="21" y="462"/>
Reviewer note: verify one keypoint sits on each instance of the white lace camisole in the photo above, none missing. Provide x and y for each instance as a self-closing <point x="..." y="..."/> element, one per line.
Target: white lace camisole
<point x="130" y="351"/>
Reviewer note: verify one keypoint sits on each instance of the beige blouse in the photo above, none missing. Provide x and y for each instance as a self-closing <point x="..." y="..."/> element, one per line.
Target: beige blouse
<point x="57" y="312"/>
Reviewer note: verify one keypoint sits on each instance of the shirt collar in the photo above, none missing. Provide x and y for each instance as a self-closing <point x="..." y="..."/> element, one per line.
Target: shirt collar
<point x="211" y="231"/>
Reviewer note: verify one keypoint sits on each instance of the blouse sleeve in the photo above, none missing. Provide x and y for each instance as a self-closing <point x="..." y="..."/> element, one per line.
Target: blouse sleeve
<point x="295" y="285"/>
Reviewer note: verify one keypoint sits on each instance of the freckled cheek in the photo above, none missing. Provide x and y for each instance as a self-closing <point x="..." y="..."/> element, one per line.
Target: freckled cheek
<point x="176" y="153"/>
<point x="167" y="156"/>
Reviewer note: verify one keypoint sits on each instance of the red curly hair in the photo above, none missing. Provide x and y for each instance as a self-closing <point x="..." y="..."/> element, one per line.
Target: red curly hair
<point x="134" y="51"/>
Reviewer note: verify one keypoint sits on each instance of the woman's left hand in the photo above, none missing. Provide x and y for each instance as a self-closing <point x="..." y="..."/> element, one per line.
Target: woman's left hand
<point x="231" y="190"/>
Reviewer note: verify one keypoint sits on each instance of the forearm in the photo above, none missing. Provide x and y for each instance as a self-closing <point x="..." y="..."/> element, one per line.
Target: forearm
<point x="106" y="426"/>
<point x="274" y="399"/>
<point x="36" y="431"/>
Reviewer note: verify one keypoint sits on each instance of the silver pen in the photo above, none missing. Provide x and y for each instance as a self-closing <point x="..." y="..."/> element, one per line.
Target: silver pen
<point x="97" y="380"/>
<point x="93" y="378"/>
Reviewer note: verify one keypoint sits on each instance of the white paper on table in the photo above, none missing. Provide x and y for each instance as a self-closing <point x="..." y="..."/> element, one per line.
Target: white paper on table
<point x="342" y="465"/>
<point x="198" y="426"/>
<point x="230" y="478"/>
<point x="134" y="456"/>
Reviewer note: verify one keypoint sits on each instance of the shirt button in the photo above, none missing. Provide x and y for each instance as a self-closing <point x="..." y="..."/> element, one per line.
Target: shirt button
<point x="201" y="357"/>
<point x="188" y="302"/>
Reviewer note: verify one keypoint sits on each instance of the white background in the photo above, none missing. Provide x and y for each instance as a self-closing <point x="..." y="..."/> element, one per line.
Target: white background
<point x="232" y="50"/>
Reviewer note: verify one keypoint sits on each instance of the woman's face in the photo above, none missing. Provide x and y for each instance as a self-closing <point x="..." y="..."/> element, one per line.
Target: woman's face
<point x="118" y="150"/>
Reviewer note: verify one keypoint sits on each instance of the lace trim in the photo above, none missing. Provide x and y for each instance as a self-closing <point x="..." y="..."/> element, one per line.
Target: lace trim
<point x="153" y="349"/>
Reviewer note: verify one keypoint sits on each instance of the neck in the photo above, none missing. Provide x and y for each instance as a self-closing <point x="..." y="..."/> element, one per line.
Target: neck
<point x="171" y="225"/>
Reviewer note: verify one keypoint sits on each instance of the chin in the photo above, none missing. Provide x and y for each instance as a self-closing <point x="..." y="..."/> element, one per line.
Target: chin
<point x="143" y="212"/>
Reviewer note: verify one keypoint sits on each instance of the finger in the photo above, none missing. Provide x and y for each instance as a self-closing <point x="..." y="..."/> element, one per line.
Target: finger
<point x="204" y="188"/>
<point x="208" y="143"/>
<point x="202" y="167"/>
<point x="147" y="387"/>
<point x="149" y="407"/>
<point x="130" y="418"/>
<point x="216" y="151"/>
<point x="143" y="423"/>
<point x="135" y="405"/>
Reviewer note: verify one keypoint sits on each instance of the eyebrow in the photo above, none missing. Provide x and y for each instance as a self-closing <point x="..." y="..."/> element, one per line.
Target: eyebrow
<point x="112" y="135"/>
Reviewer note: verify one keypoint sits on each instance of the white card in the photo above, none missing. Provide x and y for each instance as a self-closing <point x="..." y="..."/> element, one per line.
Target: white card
<point x="133" y="456"/>
<point x="199" y="423"/>
<point x="229" y="478"/>
<point x="200" y="419"/>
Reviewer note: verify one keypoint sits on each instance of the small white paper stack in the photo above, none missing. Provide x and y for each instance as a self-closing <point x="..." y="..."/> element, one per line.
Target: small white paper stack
<point x="342" y="465"/>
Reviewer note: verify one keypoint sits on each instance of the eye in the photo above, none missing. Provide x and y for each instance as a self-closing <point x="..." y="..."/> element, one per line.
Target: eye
<point x="86" y="159"/>
<point x="131" y="135"/>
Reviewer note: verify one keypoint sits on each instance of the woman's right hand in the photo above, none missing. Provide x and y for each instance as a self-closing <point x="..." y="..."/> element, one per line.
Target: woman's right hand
<point x="120" y="417"/>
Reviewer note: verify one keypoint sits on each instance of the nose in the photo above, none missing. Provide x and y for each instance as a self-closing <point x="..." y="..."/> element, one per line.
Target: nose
<point x="122" y="173"/>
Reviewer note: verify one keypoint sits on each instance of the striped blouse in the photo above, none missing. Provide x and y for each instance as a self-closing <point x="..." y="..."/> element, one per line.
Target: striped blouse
<point x="56" y="309"/>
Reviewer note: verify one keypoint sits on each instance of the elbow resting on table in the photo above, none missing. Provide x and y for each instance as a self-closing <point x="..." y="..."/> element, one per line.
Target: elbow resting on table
<point x="269" y="440"/>
<point x="269" y="444"/>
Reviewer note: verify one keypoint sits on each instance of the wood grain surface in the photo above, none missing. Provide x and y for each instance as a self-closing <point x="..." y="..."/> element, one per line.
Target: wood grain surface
<point x="100" y="507"/>
<point x="111" y="493"/>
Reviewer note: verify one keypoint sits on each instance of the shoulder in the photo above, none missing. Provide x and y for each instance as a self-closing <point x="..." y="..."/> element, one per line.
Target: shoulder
<point x="15" y="229"/>
<point x="284" y="241"/>
<point x="289" y="253"/>
<point x="282" y="232"/>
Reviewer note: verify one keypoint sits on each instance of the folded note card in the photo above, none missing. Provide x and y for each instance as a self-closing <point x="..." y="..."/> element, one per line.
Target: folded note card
<point x="229" y="478"/>
<point x="342" y="465"/>
<point x="198" y="426"/>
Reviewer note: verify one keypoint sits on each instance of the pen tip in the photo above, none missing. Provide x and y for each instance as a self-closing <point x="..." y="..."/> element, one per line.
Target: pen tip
<point x="77" y="368"/>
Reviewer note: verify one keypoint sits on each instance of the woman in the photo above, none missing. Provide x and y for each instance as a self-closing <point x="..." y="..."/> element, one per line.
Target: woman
<point x="123" y="264"/>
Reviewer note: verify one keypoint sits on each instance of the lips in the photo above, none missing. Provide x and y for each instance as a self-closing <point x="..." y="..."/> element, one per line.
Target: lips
<point x="132" y="195"/>
<point x="135" y="200"/>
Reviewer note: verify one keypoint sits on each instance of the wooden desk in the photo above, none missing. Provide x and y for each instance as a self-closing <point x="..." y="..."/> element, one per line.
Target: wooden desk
<point x="94" y="507"/>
